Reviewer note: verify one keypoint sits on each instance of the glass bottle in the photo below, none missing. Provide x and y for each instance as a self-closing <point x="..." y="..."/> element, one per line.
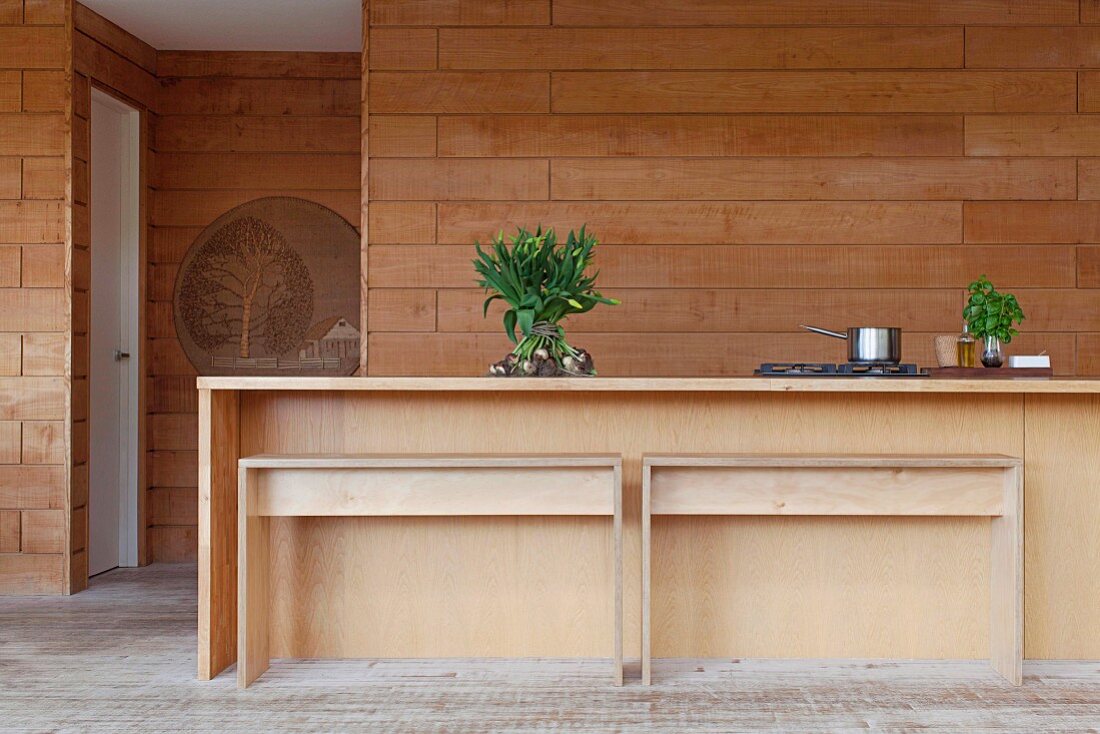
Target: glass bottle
<point x="966" y="347"/>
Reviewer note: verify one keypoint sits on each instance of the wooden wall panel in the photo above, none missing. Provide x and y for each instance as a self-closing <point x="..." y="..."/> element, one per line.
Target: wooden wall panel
<point x="814" y="12"/>
<point x="232" y="127"/>
<point x="913" y="47"/>
<point x="747" y="166"/>
<point x="698" y="135"/>
<point x="812" y="91"/>
<point x="35" y="237"/>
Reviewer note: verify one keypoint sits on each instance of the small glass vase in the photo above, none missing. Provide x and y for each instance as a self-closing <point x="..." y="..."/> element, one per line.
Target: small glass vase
<point x="992" y="354"/>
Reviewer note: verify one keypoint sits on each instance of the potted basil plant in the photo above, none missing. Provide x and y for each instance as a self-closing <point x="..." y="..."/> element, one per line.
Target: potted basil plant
<point x="990" y="316"/>
<point x="542" y="281"/>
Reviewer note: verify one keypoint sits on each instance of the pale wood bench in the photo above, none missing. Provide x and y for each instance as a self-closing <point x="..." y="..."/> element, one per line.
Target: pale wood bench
<point x="409" y="485"/>
<point x="761" y="484"/>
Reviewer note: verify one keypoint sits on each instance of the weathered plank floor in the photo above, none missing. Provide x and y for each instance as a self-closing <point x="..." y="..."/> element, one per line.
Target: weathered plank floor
<point x="121" y="657"/>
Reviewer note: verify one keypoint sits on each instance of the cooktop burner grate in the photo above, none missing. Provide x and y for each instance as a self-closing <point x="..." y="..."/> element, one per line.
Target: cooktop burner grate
<point x="850" y="369"/>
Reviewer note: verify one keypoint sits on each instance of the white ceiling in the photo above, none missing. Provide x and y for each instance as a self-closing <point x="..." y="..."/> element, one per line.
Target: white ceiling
<point x="238" y="25"/>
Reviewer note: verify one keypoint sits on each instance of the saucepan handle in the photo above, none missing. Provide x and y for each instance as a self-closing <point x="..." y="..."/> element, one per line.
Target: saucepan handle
<point x="826" y="332"/>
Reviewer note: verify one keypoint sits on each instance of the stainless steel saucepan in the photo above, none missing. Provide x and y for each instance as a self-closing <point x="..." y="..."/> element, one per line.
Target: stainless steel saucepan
<point x="880" y="344"/>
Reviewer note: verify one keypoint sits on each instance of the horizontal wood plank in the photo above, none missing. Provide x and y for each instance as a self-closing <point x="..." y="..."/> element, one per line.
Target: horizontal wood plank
<point x="717" y="223"/>
<point x="1088" y="354"/>
<point x="813" y="12"/>
<point x="173" y="506"/>
<point x="44" y="178"/>
<point x="11" y="178"/>
<point x="458" y="180"/>
<point x="173" y="432"/>
<point x="198" y="208"/>
<point x="567" y="490"/>
<point x="43" y="442"/>
<point x="796" y="178"/>
<point x="402" y="135"/>
<point x="32" y="47"/>
<point x="760" y="266"/>
<point x="32" y="573"/>
<point x="11" y="92"/>
<point x="173" y="543"/>
<point x="747" y="309"/>
<point x="43" y="531"/>
<point x="1064" y="47"/>
<point x="173" y="469"/>
<point x="275" y="134"/>
<point x="401" y="223"/>
<point x="700" y="135"/>
<point x="1032" y="221"/>
<point x="403" y="49"/>
<point x="33" y="309"/>
<point x="1039" y="135"/>
<point x="457" y="92"/>
<point x="404" y="309"/>
<point x="289" y="171"/>
<point x="1088" y="266"/>
<point x="259" y="64"/>
<point x="9" y="531"/>
<point x="32" y="487"/>
<point x="45" y="91"/>
<point x="44" y="354"/>
<point x="11" y="354"/>
<point x="793" y="490"/>
<point x="560" y="48"/>
<point x="460" y="12"/>
<point x="31" y="134"/>
<point x="265" y="97"/>
<point x="813" y="91"/>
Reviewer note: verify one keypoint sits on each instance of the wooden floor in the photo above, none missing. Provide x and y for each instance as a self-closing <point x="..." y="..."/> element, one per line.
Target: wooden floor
<point x="121" y="657"/>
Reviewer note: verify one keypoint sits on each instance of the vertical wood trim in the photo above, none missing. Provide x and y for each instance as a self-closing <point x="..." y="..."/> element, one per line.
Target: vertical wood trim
<point x="72" y="585"/>
<point x="1006" y="582"/>
<point x="219" y="451"/>
<point x="253" y="589"/>
<point x="647" y="479"/>
<point x="617" y="559"/>
<point x="364" y="127"/>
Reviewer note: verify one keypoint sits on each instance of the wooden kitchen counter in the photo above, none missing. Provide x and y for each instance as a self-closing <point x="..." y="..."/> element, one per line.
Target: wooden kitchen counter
<point x="894" y="587"/>
<point x="656" y="384"/>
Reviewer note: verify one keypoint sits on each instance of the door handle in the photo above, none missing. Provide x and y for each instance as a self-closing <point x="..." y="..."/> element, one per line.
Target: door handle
<point x="121" y="355"/>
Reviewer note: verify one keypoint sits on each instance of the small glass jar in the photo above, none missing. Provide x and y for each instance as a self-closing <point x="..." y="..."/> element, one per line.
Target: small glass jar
<point x="992" y="354"/>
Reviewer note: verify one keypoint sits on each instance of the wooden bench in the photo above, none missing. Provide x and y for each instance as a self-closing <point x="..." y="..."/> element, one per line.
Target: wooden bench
<point x="408" y="485"/>
<point x="988" y="486"/>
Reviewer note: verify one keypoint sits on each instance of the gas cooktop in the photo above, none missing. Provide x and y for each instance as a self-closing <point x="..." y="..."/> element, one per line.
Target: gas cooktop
<point x="850" y="369"/>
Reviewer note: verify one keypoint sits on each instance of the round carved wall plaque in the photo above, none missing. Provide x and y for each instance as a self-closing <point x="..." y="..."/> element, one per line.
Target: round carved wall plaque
<point x="271" y="288"/>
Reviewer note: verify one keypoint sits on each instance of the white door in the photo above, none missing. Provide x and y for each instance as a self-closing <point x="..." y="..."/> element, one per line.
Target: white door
<point x="113" y="337"/>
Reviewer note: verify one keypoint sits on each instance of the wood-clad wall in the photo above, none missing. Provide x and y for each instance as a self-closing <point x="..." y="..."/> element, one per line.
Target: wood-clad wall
<point x="749" y="166"/>
<point x="231" y="127"/>
<point x="35" y="109"/>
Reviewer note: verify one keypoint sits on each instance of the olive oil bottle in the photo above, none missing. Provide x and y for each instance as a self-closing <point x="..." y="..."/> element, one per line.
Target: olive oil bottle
<point x="967" y="348"/>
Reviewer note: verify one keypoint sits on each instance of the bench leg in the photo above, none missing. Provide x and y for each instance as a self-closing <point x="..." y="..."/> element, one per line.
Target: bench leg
<point x="617" y="559"/>
<point x="1006" y="632"/>
<point x="646" y="556"/>
<point x="253" y="599"/>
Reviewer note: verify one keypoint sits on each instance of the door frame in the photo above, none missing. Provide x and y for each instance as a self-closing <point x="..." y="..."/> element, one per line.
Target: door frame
<point x="131" y="545"/>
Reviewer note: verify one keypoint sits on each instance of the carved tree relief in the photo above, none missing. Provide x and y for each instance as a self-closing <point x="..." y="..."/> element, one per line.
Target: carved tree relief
<point x="246" y="285"/>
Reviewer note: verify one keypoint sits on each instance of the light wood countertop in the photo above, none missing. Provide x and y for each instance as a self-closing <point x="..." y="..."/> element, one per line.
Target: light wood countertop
<point x="655" y="384"/>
